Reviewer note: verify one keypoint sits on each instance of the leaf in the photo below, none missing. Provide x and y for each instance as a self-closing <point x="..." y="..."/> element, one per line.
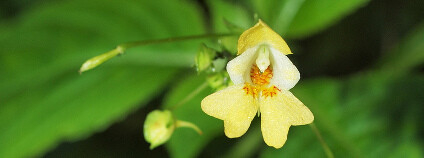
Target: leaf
<point x="407" y="55"/>
<point x="90" y="30"/>
<point x="301" y="18"/>
<point x="222" y="11"/>
<point x="315" y="15"/>
<point x="45" y="101"/>
<point x="349" y="113"/>
<point x="179" y="146"/>
<point x="278" y="14"/>
<point x="74" y="107"/>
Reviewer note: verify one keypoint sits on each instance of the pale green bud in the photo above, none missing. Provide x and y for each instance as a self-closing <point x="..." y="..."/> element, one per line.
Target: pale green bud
<point x="219" y="80"/>
<point x="97" y="60"/>
<point x="158" y="127"/>
<point x="219" y="64"/>
<point x="204" y="58"/>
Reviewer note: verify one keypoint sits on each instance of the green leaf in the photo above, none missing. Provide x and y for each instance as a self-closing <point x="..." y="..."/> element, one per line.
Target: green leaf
<point x="316" y="15"/>
<point x="301" y="18"/>
<point x="43" y="99"/>
<point x="74" y="107"/>
<point x="89" y="30"/>
<point x="407" y="55"/>
<point x="186" y="142"/>
<point x="222" y="11"/>
<point x="349" y="113"/>
<point x="278" y="14"/>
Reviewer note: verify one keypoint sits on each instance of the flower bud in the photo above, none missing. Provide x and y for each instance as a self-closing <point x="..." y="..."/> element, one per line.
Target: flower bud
<point x="158" y="127"/>
<point x="204" y="58"/>
<point x="97" y="60"/>
<point x="219" y="64"/>
<point x="219" y="80"/>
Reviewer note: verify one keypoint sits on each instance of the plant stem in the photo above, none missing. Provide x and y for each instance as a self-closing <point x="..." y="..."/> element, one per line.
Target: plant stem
<point x="172" y="39"/>
<point x="190" y="96"/>
<point x="324" y="145"/>
<point x="180" y="123"/>
<point x="97" y="60"/>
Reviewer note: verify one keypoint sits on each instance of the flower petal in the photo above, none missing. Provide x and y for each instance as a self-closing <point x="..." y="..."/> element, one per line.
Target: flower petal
<point x="234" y="106"/>
<point x="259" y="34"/>
<point x="286" y="74"/>
<point x="239" y="67"/>
<point x="278" y="113"/>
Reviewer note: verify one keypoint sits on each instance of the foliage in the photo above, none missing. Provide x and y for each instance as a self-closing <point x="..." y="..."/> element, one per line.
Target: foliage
<point x="367" y="109"/>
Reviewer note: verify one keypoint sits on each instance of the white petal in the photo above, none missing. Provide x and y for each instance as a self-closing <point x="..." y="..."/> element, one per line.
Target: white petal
<point x="285" y="73"/>
<point x="239" y="67"/>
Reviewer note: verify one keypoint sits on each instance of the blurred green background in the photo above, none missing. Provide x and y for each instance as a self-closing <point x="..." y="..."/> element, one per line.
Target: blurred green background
<point x="361" y="63"/>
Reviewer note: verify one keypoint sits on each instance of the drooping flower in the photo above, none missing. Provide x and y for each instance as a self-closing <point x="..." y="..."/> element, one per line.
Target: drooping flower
<point x="262" y="75"/>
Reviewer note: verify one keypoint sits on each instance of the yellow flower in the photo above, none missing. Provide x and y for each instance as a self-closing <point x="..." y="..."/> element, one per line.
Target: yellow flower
<point x="262" y="76"/>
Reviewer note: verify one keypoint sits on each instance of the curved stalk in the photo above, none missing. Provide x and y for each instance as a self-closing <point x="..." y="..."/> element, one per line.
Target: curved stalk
<point x="97" y="60"/>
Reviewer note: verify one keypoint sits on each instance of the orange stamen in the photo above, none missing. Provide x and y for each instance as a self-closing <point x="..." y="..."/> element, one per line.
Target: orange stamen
<point x="260" y="82"/>
<point x="258" y="78"/>
<point x="270" y="92"/>
<point x="250" y="89"/>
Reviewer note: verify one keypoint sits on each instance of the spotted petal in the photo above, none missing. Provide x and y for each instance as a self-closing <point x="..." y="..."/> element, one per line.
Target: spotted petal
<point x="278" y="113"/>
<point x="234" y="106"/>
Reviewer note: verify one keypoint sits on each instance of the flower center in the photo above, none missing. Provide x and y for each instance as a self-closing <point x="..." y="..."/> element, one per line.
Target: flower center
<point x="262" y="61"/>
<point x="260" y="82"/>
<point x="260" y="75"/>
<point x="259" y="78"/>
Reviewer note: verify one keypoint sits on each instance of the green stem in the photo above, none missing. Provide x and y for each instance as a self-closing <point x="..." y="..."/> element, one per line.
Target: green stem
<point x="190" y="96"/>
<point x="186" y="124"/>
<point x="97" y="60"/>
<point x="172" y="39"/>
<point x="324" y="145"/>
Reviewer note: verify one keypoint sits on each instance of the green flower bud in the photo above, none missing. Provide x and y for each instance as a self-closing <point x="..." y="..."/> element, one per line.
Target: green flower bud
<point x="219" y="64"/>
<point x="158" y="127"/>
<point x="97" y="60"/>
<point x="204" y="58"/>
<point x="219" y="80"/>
